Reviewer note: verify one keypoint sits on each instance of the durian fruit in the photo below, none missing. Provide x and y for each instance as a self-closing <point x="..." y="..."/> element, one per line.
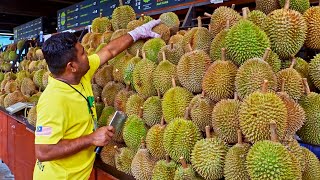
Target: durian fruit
<point x="142" y="77"/>
<point x="152" y="110"/>
<point x="291" y="81"/>
<point x="2" y="99"/>
<point x="256" y="112"/>
<point x="154" y="140"/>
<point x="127" y="77"/>
<point x="179" y="138"/>
<point x="110" y="91"/>
<point x="39" y="54"/>
<point x="312" y="170"/>
<point x="115" y="59"/>
<point x="32" y="116"/>
<point x="28" y="87"/>
<point x="164" y="169"/>
<point x="176" y="39"/>
<point x="99" y="106"/>
<point x="173" y="53"/>
<point x="171" y="20"/>
<point x="286" y="30"/>
<point x="10" y="86"/>
<point x="12" y="56"/>
<point x="20" y="44"/>
<point x="251" y="75"/>
<point x="200" y="111"/>
<point x="185" y="171"/>
<point x="96" y="90"/>
<point x="135" y="47"/>
<point x="119" y="67"/>
<point x="225" y="119"/>
<point x="208" y="155"/>
<point x="294" y="147"/>
<point x="235" y="161"/>
<point x="134" y="130"/>
<point x="105" y="38"/>
<point x="14" y="97"/>
<point x="142" y="164"/>
<point x="220" y="17"/>
<point x="245" y="40"/>
<point x="162" y="75"/>
<point x="101" y="24"/>
<point x="105" y="114"/>
<point x="118" y="33"/>
<point x="310" y="131"/>
<point x="257" y="17"/>
<point x="274" y="61"/>
<point x="152" y="48"/>
<point x="267" y="6"/>
<point x="37" y="77"/>
<point x="94" y="41"/>
<point x="45" y="79"/>
<point x="315" y="70"/>
<point x="198" y="37"/>
<point x="313" y="33"/>
<point x="34" y="98"/>
<point x="218" y="43"/>
<point x="120" y="100"/>
<point x="174" y="102"/>
<point x="218" y="81"/>
<point x="134" y="23"/>
<point x="296" y="114"/>
<point x="145" y="18"/>
<point x="123" y="159"/>
<point x="271" y="160"/>
<point x="297" y="5"/>
<point x="133" y="104"/>
<point x="108" y="152"/>
<point x="33" y="66"/>
<point x="191" y="69"/>
<point x="85" y="39"/>
<point x="163" y="30"/>
<point x="121" y="16"/>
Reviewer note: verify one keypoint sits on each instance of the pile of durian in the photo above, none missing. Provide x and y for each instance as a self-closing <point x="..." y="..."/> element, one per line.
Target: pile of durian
<point x="226" y="101"/>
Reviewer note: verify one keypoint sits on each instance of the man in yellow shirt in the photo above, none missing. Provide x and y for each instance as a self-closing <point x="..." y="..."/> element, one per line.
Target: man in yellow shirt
<point x="66" y="133"/>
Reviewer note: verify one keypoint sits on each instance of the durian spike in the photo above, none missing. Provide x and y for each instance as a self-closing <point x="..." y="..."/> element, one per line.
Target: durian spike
<point x="167" y="158"/>
<point x="158" y="93"/>
<point x="233" y="6"/>
<point x="266" y="54"/>
<point x="293" y="62"/>
<point x="189" y="47"/>
<point x="143" y="55"/>
<point x="142" y="17"/>
<point x="283" y="81"/>
<point x="143" y="144"/>
<point x="138" y="52"/>
<point x="244" y="13"/>
<point x="173" y="82"/>
<point x="223" y="54"/>
<point x="273" y="131"/>
<point x="239" y="136"/>
<point x="187" y="113"/>
<point x="117" y="149"/>
<point x="228" y="24"/>
<point x="120" y="3"/>
<point x="286" y="5"/>
<point x="199" y="21"/>
<point x="306" y="86"/>
<point x="207" y="14"/>
<point x="171" y="45"/>
<point x="203" y="94"/>
<point x="264" y="88"/>
<point x="236" y="97"/>
<point x="208" y="134"/>
<point x="183" y="162"/>
<point x="100" y="15"/>
<point x="140" y="112"/>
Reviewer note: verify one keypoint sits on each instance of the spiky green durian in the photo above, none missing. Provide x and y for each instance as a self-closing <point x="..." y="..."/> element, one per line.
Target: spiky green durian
<point x="133" y="24"/>
<point x="173" y="53"/>
<point x="119" y="67"/>
<point x="257" y="17"/>
<point x="164" y="169"/>
<point x="103" y="75"/>
<point x="133" y="131"/>
<point x="128" y="79"/>
<point x="118" y="33"/>
<point x="315" y="70"/>
<point x="164" y="32"/>
<point x="133" y="104"/>
<point x="312" y="170"/>
<point x="121" y="99"/>
<point x="121" y="16"/>
<point x="101" y="24"/>
<point x="298" y="5"/>
<point x="154" y="141"/>
<point x="123" y="159"/>
<point x="152" y="48"/>
<point x="313" y="34"/>
<point x="109" y="92"/>
<point x="267" y="6"/>
<point x="108" y="152"/>
<point x="107" y="111"/>
<point x="294" y="147"/>
<point x="152" y="111"/>
<point x="171" y="20"/>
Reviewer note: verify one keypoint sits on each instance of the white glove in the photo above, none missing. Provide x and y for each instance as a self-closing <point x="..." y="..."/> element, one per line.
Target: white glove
<point x="145" y="31"/>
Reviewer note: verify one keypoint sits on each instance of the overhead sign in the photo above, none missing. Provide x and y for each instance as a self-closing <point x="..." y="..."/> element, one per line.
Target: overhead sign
<point x="28" y="30"/>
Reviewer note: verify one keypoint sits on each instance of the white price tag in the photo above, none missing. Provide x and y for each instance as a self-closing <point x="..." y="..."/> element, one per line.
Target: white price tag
<point x="216" y="1"/>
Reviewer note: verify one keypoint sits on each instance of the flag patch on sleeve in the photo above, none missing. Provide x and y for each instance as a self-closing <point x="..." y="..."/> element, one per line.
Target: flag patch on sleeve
<point x="43" y="131"/>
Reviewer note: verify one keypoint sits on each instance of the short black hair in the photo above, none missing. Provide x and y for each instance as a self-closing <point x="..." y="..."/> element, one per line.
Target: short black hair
<point x="58" y="50"/>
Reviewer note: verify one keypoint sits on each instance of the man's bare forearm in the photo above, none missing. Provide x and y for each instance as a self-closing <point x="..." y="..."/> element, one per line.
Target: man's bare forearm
<point x="64" y="148"/>
<point x="114" y="48"/>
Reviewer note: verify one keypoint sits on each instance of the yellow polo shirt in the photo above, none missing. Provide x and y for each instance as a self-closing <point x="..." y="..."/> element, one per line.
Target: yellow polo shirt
<point x="62" y="113"/>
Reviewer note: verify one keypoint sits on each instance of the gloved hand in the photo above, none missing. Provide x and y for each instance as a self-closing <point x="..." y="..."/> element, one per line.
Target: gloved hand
<point x="145" y="31"/>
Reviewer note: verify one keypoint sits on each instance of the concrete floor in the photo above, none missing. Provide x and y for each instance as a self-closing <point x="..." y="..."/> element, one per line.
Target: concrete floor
<point x="5" y="173"/>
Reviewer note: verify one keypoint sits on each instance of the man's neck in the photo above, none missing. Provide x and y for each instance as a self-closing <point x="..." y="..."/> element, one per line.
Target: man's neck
<point x="68" y="79"/>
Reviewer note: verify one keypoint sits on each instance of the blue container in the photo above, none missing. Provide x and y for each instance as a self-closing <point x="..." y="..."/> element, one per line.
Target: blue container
<point x="313" y="148"/>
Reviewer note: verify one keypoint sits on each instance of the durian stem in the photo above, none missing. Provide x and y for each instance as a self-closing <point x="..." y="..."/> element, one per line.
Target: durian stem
<point x="98" y="99"/>
<point x="189" y="47"/>
<point x="244" y="13"/>
<point x="202" y="94"/>
<point x="167" y="158"/>
<point x="171" y="45"/>
<point x="120" y="3"/>
<point x="207" y="14"/>
<point x="138" y="52"/>
<point x="293" y="62"/>
<point x="158" y="93"/>
<point x="266" y="54"/>
<point x="162" y="121"/>
<point x="283" y="81"/>
<point x="105" y="101"/>
<point x="140" y="112"/>
<point x="183" y="162"/>
<point x="143" y="55"/>
<point x="164" y="56"/>
<point x="173" y="82"/>
<point x="223" y="54"/>
<point x="208" y="134"/>
<point x="142" y="17"/>
<point x="306" y="86"/>
<point x="186" y="113"/>
<point x="233" y="6"/>
<point x="264" y="88"/>
<point x="100" y="15"/>
<point x="287" y="5"/>
<point x="273" y="131"/>
<point x="117" y="149"/>
<point x="143" y="144"/>
<point x="227" y="24"/>
<point x="236" y="97"/>
<point x="248" y="10"/>
<point x="199" y="21"/>
<point x="239" y="136"/>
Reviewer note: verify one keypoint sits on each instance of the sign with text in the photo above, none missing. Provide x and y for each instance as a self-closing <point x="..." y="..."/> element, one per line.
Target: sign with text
<point x="28" y="30"/>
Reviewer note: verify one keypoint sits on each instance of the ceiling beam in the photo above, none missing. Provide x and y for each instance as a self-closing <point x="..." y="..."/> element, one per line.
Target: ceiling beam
<point x="62" y="2"/>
